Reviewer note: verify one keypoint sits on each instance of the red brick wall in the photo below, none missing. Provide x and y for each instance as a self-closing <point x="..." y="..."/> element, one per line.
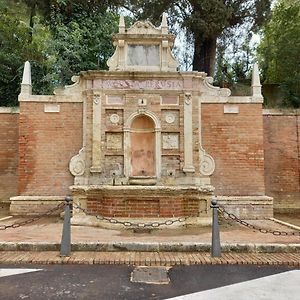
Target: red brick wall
<point x="47" y="142"/>
<point x="235" y="141"/>
<point x="8" y="155"/>
<point x="281" y="140"/>
<point x="146" y="207"/>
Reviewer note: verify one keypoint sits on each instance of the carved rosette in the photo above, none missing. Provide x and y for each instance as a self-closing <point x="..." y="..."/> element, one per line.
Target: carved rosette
<point x="170" y="118"/>
<point x="77" y="164"/>
<point x="207" y="163"/>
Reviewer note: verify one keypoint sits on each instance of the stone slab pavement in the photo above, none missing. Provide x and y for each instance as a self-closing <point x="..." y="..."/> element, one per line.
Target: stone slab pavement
<point x="39" y="242"/>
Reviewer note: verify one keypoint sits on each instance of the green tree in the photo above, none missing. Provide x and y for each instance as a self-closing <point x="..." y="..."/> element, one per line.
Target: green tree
<point x="206" y="20"/>
<point x="279" y="50"/>
<point x="16" y="47"/>
<point x="84" y="43"/>
<point x="82" y="38"/>
<point x="235" y="57"/>
<point x="59" y="38"/>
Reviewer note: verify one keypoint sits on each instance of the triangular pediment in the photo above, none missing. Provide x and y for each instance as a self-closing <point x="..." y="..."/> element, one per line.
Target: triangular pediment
<point x="146" y="27"/>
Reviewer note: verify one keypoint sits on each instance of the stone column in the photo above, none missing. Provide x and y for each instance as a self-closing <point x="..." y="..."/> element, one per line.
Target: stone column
<point x="188" y="134"/>
<point x="158" y="151"/>
<point x="96" y="141"/>
<point x="127" y="155"/>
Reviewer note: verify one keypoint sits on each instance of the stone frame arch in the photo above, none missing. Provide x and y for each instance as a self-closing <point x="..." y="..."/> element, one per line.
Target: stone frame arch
<point x="127" y="141"/>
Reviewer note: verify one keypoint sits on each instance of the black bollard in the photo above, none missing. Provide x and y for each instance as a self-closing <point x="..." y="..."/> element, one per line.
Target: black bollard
<point x="215" y="238"/>
<point x="65" y="246"/>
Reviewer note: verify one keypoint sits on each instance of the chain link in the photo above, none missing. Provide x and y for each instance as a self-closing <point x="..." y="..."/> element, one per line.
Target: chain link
<point x="233" y="217"/>
<point x="34" y="219"/>
<point x="155" y="224"/>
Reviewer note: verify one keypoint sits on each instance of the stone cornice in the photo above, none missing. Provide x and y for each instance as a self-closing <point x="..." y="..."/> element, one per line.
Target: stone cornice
<point x="51" y="98"/>
<point x="281" y="112"/>
<point x="9" y="110"/>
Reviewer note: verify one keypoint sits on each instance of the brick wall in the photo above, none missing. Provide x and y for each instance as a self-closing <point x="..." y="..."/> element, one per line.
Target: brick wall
<point x="47" y="142"/>
<point x="145" y="207"/>
<point x="9" y="123"/>
<point x="281" y="143"/>
<point x="235" y="141"/>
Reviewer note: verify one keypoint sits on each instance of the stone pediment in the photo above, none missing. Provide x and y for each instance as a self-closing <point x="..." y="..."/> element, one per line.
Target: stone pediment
<point x="140" y="27"/>
<point x="143" y="47"/>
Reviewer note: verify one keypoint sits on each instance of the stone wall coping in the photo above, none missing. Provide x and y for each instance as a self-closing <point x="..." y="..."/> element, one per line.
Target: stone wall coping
<point x="9" y="110"/>
<point x="212" y="99"/>
<point x="37" y="198"/>
<point x="281" y="112"/>
<point x="245" y="199"/>
<point x="51" y="98"/>
<point x="207" y="100"/>
<point x="139" y="188"/>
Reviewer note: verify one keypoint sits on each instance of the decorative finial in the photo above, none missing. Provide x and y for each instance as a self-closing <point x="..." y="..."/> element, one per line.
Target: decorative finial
<point x="256" y="86"/>
<point x="26" y="87"/>
<point x="122" y="24"/>
<point x="164" y="24"/>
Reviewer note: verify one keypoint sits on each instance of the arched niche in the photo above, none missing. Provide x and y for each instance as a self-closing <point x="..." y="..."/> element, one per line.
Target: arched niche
<point x="142" y="151"/>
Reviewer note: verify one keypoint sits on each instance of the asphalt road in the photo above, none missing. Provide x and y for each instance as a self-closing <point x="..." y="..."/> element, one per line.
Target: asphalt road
<point x="113" y="282"/>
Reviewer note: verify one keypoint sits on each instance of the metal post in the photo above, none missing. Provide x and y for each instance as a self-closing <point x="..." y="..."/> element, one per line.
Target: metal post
<point x="65" y="246"/>
<point x="215" y="238"/>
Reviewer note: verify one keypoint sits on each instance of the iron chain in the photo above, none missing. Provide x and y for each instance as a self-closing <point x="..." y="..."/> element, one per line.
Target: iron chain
<point x="262" y="230"/>
<point x="139" y="224"/>
<point x="34" y="219"/>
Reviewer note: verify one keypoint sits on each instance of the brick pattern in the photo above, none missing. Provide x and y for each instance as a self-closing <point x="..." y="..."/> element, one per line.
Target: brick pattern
<point x="9" y="134"/>
<point x="150" y="258"/>
<point x="235" y="141"/>
<point x="47" y="142"/>
<point x="147" y="207"/>
<point x="282" y="174"/>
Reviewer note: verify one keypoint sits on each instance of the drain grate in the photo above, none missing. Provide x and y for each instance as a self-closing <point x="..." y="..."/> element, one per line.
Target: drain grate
<point x="150" y="275"/>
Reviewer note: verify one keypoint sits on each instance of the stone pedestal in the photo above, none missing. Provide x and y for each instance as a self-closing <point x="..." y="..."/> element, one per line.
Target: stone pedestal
<point x="142" y="204"/>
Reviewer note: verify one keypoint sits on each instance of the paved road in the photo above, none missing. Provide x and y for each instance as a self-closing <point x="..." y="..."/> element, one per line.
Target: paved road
<point x="113" y="282"/>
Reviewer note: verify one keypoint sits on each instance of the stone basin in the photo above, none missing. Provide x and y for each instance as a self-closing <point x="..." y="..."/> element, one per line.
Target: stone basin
<point x="137" y="203"/>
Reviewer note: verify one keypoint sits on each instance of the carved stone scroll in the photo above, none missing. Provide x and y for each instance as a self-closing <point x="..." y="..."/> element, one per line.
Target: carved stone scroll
<point x="207" y="163"/>
<point x="77" y="164"/>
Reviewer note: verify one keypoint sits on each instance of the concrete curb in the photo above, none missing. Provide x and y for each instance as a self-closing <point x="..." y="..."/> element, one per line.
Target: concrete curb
<point x="151" y="247"/>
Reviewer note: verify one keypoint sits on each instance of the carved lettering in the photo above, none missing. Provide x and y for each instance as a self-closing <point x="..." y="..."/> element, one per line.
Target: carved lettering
<point x="144" y="85"/>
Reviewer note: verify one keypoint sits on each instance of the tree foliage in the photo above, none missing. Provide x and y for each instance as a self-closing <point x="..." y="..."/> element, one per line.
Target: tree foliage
<point x="59" y="38"/>
<point x="84" y="43"/>
<point x="234" y="60"/>
<point x="279" y="50"/>
<point x="206" y="20"/>
<point x="16" y="47"/>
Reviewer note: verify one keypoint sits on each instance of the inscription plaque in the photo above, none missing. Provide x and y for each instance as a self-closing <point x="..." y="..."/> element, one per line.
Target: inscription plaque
<point x="143" y="55"/>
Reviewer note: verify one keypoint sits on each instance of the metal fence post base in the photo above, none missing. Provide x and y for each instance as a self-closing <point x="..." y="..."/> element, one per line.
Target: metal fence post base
<point x="65" y="246"/>
<point x="215" y="238"/>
